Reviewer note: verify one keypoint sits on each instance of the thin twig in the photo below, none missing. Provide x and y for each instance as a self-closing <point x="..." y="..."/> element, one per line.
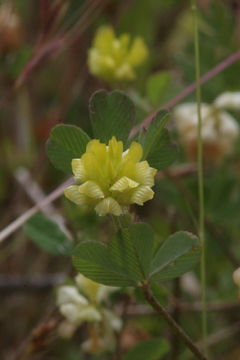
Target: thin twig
<point x="189" y="90"/>
<point x="62" y="42"/>
<point x="16" y="224"/>
<point x="171" y="322"/>
<point x="33" y="190"/>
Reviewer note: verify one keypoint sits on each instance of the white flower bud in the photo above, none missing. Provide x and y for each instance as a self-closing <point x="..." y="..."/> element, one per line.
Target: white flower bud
<point x="77" y="314"/>
<point x="70" y="294"/>
<point x="228" y="100"/>
<point x="219" y="130"/>
<point x="71" y="312"/>
<point x="236" y="277"/>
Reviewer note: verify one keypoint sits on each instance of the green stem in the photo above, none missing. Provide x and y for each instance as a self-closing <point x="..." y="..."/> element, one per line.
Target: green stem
<point x="200" y="177"/>
<point x="171" y="322"/>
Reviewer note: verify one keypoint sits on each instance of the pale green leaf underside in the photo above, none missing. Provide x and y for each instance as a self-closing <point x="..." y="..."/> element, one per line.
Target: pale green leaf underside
<point x="128" y="259"/>
<point x="179" y="253"/>
<point x="124" y="262"/>
<point x="132" y="250"/>
<point x="93" y="260"/>
<point x="46" y="234"/>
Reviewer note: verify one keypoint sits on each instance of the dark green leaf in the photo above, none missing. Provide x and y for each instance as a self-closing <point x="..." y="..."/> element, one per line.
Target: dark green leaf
<point x="46" y="234"/>
<point x="132" y="250"/>
<point x="163" y="153"/>
<point x="112" y="114"/>
<point x="93" y="260"/>
<point x="179" y="253"/>
<point x="124" y="262"/>
<point x="150" y="140"/>
<point x="66" y="142"/>
<point x="152" y="349"/>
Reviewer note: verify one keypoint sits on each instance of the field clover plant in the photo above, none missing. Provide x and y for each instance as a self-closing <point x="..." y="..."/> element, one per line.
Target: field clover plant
<point x="120" y="126"/>
<point x="112" y="171"/>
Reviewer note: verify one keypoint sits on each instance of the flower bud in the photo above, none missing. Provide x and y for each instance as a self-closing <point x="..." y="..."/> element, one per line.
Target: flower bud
<point x="219" y="131"/>
<point x="228" y="100"/>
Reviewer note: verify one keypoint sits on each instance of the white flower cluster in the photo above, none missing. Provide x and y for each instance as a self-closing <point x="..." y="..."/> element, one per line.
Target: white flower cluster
<point x="236" y="278"/>
<point x="83" y="302"/>
<point x="219" y="128"/>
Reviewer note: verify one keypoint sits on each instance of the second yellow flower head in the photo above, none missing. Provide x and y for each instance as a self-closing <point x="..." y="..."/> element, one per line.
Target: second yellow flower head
<point x="115" y="59"/>
<point x="109" y="179"/>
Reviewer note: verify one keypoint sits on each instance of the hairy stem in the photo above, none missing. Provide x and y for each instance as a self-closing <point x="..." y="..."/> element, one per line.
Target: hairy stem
<point x="171" y="322"/>
<point x="200" y="177"/>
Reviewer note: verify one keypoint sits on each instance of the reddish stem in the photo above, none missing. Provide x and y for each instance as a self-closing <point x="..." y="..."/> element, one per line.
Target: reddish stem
<point x="189" y="90"/>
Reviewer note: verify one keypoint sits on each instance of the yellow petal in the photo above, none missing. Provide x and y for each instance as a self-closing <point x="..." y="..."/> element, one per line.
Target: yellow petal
<point x="125" y="72"/>
<point x="93" y="144"/>
<point x="91" y="189"/>
<point x="91" y="166"/>
<point x="78" y="170"/>
<point x="97" y="149"/>
<point x="74" y="195"/>
<point x="124" y="184"/>
<point x="145" y="174"/>
<point x="134" y="153"/>
<point x="103" y="39"/>
<point x="120" y="48"/>
<point x="94" y="59"/>
<point x="142" y="194"/>
<point x="115" y="149"/>
<point x="124" y="40"/>
<point x="138" y="52"/>
<point x="108" y="206"/>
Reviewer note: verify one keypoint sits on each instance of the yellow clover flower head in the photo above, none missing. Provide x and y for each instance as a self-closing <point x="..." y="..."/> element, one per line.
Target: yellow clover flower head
<point x="115" y="59"/>
<point x="109" y="179"/>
